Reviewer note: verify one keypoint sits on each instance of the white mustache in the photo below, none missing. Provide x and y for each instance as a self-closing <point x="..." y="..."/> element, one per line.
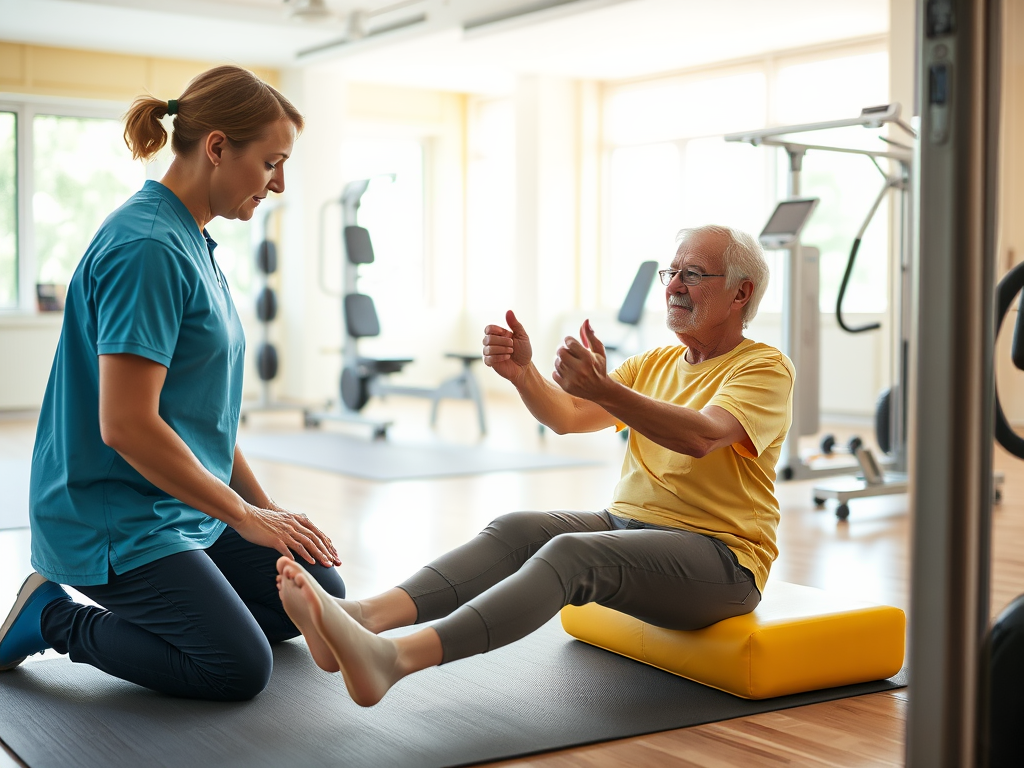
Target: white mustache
<point x="680" y="300"/>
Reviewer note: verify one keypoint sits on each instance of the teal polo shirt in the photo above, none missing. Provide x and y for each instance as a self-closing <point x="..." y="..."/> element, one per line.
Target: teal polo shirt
<point x="147" y="285"/>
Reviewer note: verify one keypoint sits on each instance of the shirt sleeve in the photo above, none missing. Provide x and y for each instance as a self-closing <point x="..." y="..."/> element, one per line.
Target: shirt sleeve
<point x="626" y="373"/>
<point x="760" y="396"/>
<point x="140" y="290"/>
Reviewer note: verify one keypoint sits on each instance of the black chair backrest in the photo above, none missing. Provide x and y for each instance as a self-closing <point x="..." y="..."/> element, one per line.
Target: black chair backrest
<point x="1017" y="350"/>
<point x="360" y="316"/>
<point x="358" y="245"/>
<point x="633" y="307"/>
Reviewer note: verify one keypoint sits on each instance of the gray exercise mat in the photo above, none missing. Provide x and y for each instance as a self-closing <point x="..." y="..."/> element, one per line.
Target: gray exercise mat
<point x="14" y="476"/>
<point x="545" y="692"/>
<point x="386" y="460"/>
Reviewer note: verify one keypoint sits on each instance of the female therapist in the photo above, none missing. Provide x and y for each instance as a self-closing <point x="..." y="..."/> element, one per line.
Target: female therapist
<point x="140" y="497"/>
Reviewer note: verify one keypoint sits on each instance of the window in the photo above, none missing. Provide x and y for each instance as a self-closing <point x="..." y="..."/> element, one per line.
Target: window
<point x="490" y="205"/>
<point x="645" y="199"/>
<point x="668" y="168"/>
<point x="656" y="189"/>
<point x="82" y="171"/>
<point x="830" y="89"/>
<point x="62" y="172"/>
<point x="8" y="210"/>
<point x="846" y="184"/>
<point x="675" y="109"/>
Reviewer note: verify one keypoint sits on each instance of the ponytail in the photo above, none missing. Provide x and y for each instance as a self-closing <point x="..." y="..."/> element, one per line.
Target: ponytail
<point x="143" y="132"/>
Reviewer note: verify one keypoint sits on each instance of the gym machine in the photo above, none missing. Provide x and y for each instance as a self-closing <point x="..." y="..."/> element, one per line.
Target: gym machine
<point x="364" y="377"/>
<point x="266" y="358"/>
<point x="631" y="313"/>
<point x="1006" y="641"/>
<point x="800" y="313"/>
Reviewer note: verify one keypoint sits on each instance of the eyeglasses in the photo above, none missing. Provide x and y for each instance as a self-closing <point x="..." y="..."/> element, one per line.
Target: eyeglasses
<point x="688" y="276"/>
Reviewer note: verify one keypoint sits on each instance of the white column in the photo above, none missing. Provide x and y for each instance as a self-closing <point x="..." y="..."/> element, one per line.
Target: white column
<point x="547" y="205"/>
<point x="310" y="318"/>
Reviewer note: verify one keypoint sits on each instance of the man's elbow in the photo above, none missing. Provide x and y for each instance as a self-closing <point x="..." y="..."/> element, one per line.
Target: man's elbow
<point x="700" y="446"/>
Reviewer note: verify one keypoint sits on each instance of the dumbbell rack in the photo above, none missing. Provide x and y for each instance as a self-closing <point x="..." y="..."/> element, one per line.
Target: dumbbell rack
<point x="266" y="313"/>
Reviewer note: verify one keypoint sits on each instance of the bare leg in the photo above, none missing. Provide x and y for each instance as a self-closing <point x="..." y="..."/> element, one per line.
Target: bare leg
<point x="387" y="610"/>
<point x="369" y="664"/>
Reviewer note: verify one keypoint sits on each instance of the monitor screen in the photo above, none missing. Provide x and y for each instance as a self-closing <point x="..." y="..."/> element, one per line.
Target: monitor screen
<point x="789" y="218"/>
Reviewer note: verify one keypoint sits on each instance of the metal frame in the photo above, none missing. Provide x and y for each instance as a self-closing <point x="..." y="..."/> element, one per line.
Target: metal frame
<point x="800" y="341"/>
<point x="953" y="381"/>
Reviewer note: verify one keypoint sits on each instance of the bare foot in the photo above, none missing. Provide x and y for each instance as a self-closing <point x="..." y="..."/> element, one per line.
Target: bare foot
<point x="300" y="612"/>
<point x="368" y="663"/>
<point x="352" y="607"/>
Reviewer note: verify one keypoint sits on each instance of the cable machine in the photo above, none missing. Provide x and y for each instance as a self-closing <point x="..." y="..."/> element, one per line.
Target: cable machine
<point x="363" y="377"/>
<point x="800" y="312"/>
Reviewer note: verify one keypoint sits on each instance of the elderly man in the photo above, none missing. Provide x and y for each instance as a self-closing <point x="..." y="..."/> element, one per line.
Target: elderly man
<point x="689" y="535"/>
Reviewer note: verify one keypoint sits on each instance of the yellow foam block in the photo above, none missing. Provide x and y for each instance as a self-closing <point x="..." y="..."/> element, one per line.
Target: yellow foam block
<point x="798" y="639"/>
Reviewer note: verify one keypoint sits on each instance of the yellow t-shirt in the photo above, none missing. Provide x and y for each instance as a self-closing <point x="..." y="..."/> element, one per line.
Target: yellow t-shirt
<point x="728" y="494"/>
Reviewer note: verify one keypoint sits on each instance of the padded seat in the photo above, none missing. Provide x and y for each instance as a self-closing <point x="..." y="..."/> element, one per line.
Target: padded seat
<point x="383" y="365"/>
<point x="798" y="639"/>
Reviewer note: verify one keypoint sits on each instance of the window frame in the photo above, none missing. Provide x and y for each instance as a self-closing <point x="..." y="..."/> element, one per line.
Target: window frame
<point x="26" y="107"/>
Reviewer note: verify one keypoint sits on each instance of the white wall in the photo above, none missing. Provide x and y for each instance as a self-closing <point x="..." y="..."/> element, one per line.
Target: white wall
<point x="27" y="345"/>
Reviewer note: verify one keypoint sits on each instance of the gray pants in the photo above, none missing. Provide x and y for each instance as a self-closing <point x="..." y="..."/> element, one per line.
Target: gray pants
<point x="525" y="566"/>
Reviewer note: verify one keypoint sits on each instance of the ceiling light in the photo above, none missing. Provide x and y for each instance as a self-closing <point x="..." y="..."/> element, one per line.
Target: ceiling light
<point x="309" y="10"/>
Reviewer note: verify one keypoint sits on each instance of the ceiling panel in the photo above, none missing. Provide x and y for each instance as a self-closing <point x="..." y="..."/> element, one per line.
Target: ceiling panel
<point x="590" y="39"/>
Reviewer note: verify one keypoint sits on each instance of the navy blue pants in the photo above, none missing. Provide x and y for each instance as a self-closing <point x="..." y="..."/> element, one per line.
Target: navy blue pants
<point x="197" y="624"/>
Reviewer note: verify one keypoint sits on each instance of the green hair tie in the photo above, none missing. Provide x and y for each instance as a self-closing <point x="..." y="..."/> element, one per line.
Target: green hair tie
<point x="172" y="107"/>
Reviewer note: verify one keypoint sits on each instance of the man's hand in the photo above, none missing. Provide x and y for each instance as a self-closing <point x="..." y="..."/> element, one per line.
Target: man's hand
<point x="287" y="532"/>
<point x="507" y="350"/>
<point x="581" y="365"/>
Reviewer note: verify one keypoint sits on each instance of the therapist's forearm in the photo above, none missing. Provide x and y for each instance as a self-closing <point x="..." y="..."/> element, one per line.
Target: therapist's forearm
<point x="244" y="483"/>
<point x="157" y="453"/>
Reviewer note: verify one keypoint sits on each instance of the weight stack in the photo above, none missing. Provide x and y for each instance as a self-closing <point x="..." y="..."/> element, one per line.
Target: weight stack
<point x="266" y="312"/>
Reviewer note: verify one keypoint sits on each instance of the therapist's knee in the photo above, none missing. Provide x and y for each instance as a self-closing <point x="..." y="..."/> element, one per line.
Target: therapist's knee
<point x="245" y="671"/>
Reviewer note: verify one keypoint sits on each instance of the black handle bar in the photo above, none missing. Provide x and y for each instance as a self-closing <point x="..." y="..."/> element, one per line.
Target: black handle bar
<point x="1008" y="288"/>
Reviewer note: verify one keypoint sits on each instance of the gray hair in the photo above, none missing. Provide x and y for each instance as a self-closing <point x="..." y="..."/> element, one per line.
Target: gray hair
<point x="743" y="258"/>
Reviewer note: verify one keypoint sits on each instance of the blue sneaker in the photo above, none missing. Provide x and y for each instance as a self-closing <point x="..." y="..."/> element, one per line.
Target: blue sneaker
<point x="21" y="635"/>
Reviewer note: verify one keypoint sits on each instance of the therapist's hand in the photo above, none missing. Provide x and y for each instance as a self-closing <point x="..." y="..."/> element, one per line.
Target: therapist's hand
<point x="287" y="532"/>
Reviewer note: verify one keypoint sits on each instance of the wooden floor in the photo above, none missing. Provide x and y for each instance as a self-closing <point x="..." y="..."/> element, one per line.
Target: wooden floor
<point x="385" y="530"/>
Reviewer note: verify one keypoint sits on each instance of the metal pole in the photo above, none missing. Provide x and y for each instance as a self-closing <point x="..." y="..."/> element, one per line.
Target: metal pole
<point x="790" y="460"/>
<point x="951" y="426"/>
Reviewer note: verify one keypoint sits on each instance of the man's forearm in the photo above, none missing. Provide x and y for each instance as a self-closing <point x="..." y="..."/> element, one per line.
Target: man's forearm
<point x="558" y="410"/>
<point x="244" y="483"/>
<point x="676" y="427"/>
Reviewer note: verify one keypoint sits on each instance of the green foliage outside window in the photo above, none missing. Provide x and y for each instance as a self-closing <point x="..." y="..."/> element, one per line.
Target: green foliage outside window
<point x="82" y="172"/>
